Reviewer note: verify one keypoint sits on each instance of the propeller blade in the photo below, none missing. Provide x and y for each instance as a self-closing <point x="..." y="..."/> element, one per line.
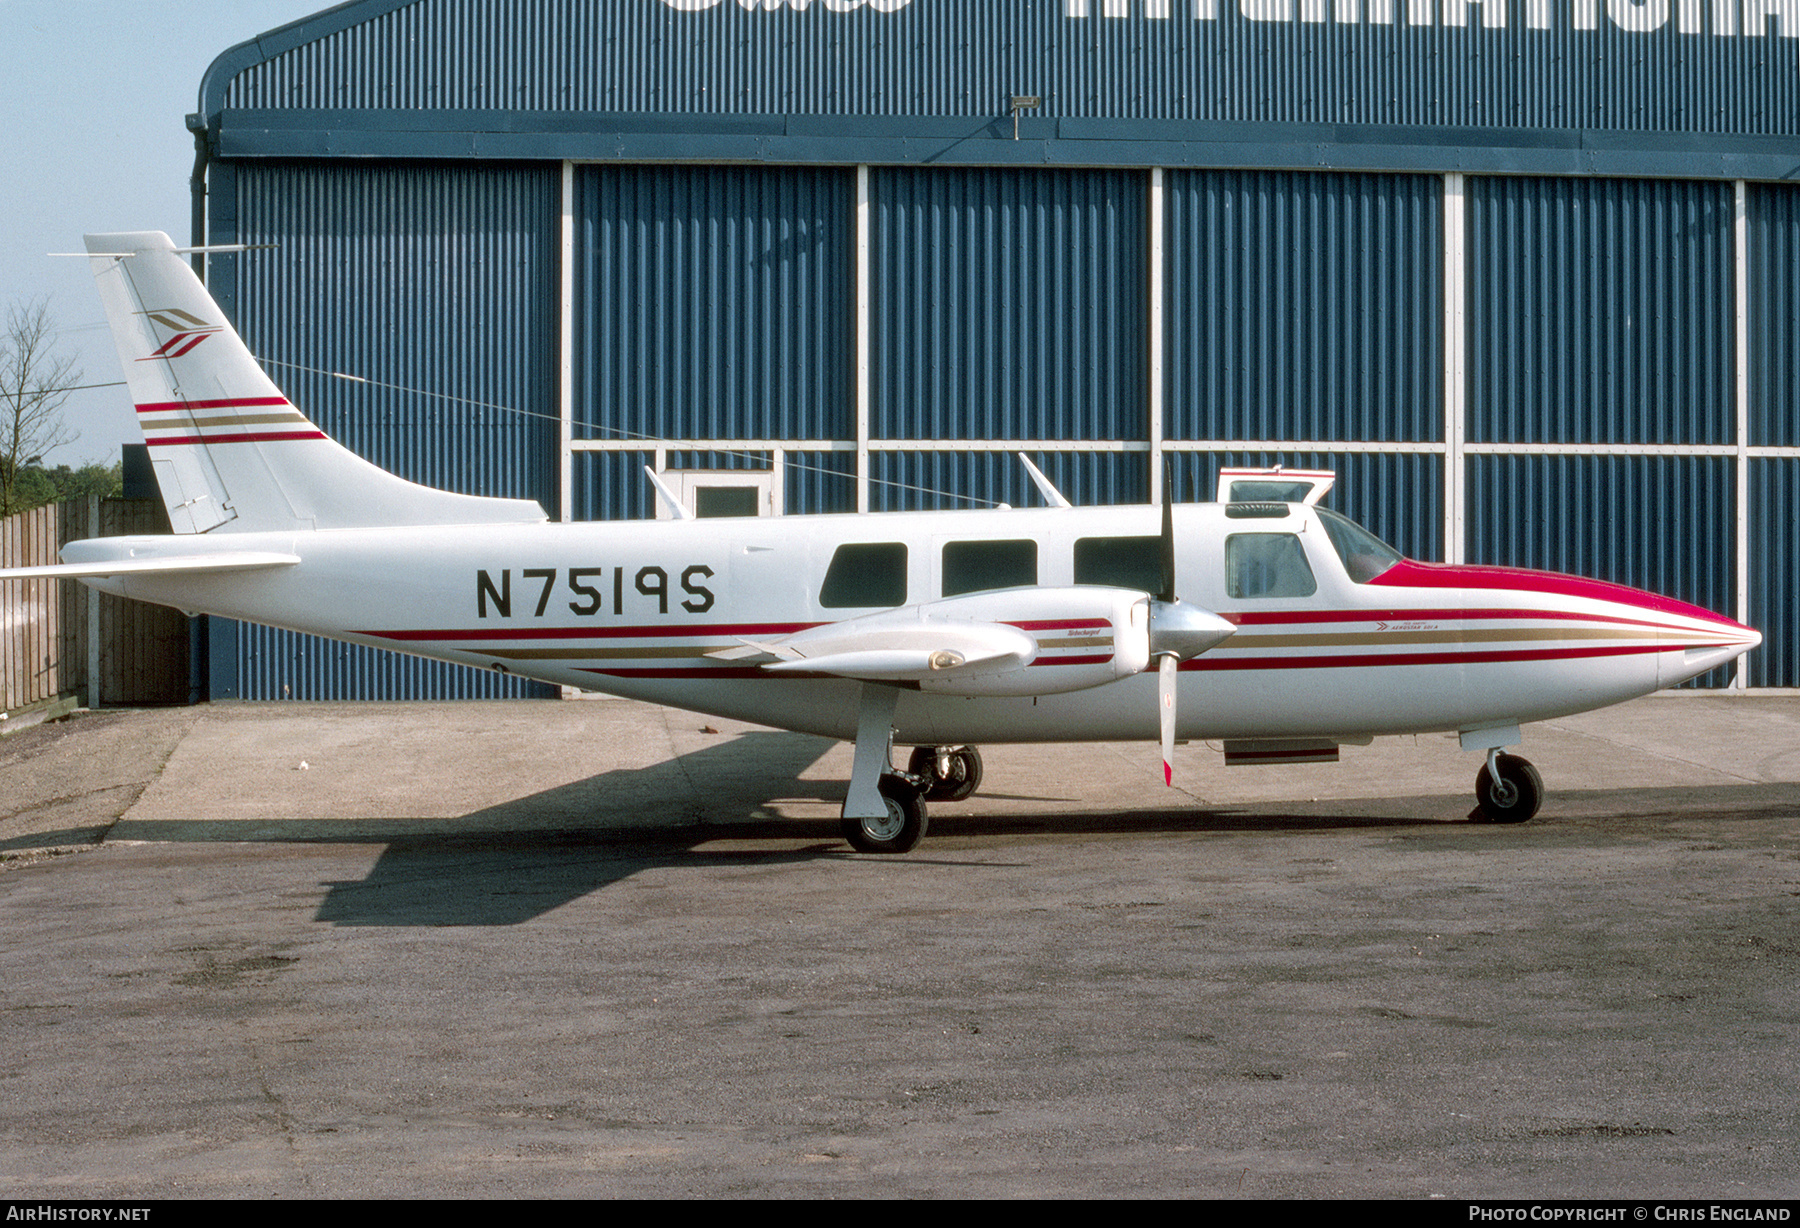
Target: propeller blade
<point x="1165" y="688"/>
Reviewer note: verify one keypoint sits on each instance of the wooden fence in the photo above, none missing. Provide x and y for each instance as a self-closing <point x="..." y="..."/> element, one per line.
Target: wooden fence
<point x="60" y="637"/>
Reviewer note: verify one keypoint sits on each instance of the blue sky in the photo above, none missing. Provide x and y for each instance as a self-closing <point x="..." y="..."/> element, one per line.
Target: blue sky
<point x="94" y="99"/>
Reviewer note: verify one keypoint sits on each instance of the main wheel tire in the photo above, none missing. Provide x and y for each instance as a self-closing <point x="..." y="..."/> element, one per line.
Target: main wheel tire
<point x="900" y="830"/>
<point x="960" y="784"/>
<point x="1513" y="798"/>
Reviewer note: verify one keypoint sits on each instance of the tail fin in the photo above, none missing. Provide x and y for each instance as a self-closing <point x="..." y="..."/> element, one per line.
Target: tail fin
<point x="231" y="452"/>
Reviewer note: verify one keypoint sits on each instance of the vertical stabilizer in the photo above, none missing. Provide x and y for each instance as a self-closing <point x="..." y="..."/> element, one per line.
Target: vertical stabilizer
<point x="231" y="452"/>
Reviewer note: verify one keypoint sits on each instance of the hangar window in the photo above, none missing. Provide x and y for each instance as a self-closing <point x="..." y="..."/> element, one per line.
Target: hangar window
<point x="1267" y="565"/>
<point x="1124" y="562"/>
<point x="721" y="492"/>
<point x="970" y="567"/>
<point x="865" y="574"/>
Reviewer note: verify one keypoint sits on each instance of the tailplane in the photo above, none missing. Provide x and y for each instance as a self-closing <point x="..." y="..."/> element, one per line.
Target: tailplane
<point x="232" y="454"/>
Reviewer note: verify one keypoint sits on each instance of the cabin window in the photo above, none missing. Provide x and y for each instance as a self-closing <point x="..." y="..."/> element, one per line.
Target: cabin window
<point x="1267" y="565"/>
<point x="970" y="567"/>
<point x="1123" y="562"/>
<point x="1365" y="556"/>
<point x="865" y="574"/>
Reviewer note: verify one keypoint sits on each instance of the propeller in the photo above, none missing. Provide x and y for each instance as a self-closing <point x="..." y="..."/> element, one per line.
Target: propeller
<point x="1177" y="631"/>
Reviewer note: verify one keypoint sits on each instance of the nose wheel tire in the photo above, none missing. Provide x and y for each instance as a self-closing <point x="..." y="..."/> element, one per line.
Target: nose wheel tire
<point x="1511" y="797"/>
<point x="900" y="829"/>
<point x="962" y="775"/>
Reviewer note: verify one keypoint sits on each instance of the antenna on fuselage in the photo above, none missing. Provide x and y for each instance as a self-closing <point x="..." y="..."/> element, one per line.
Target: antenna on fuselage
<point x="1045" y="486"/>
<point x="676" y="511"/>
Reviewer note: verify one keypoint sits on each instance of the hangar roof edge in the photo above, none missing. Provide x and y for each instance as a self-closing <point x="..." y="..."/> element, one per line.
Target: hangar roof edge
<point x="1121" y="84"/>
<point x="271" y="43"/>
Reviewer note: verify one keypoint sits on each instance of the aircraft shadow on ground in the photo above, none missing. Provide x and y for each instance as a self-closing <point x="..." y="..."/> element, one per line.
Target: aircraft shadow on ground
<point x="509" y="863"/>
<point x="495" y="876"/>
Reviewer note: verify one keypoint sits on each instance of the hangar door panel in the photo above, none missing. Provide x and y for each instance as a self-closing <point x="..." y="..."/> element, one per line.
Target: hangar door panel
<point x="1303" y="306"/>
<point x="1774" y="303"/>
<point x="713" y="302"/>
<point x="1008" y="304"/>
<point x="1600" y="311"/>
<point x="1774" y="421"/>
<point x="435" y="285"/>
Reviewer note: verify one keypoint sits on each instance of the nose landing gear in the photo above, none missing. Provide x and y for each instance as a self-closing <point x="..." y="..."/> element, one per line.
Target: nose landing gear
<point x="1507" y="790"/>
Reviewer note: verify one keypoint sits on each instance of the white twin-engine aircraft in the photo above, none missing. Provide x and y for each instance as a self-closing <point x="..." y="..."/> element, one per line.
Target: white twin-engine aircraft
<point x="1263" y="621"/>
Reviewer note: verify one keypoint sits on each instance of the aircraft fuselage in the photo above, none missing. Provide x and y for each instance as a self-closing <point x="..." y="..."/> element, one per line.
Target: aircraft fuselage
<point x="635" y="608"/>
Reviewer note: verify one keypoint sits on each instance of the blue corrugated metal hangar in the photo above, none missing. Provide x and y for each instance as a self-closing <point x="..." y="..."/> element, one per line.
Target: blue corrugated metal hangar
<point x="1524" y="272"/>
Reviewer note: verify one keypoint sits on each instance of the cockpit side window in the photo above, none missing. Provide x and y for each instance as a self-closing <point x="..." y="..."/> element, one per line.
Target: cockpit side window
<point x="1267" y="565"/>
<point x="864" y="574"/>
<point x="970" y="567"/>
<point x="1365" y="556"/>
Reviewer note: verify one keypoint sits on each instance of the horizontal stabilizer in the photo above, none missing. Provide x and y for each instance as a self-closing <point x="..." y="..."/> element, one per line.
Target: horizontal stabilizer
<point x="241" y="560"/>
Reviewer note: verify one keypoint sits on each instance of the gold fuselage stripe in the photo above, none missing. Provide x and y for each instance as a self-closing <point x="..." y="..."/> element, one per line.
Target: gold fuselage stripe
<point x="184" y="422"/>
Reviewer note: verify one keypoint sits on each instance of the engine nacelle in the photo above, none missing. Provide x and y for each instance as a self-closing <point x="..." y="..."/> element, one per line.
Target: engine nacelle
<point x="1016" y="641"/>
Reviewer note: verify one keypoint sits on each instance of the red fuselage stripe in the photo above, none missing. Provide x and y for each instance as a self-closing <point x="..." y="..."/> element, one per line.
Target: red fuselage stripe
<point x="1274" y="618"/>
<point x="1058" y="624"/>
<point x="1359" y="660"/>
<point x="153" y="407"/>
<point x="164" y="441"/>
<point x="1206" y="663"/>
<point x="1409" y="574"/>
<point x="486" y="634"/>
<point x="699" y="671"/>
<point x="1292" y="617"/>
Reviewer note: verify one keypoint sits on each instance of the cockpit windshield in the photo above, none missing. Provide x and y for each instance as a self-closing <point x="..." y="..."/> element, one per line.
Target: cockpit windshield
<point x="1365" y="556"/>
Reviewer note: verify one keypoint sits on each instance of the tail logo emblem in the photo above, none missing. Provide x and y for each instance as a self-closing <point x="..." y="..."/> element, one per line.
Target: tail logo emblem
<point x="189" y="331"/>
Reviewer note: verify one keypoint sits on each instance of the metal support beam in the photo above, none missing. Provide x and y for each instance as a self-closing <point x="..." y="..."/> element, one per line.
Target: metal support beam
<point x="861" y="294"/>
<point x="1154" y="334"/>
<point x="1455" y="378"/>
<point x="565" y="343"/>
<point x="1740" y="242"/>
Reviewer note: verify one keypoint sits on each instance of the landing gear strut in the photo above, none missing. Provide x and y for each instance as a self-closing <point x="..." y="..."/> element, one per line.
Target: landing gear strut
<point x="1507" y="790"/>
<point x="952" y="773"/>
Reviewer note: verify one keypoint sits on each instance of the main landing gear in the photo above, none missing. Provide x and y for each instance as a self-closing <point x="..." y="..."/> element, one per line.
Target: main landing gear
<point x="884" y="810"/>
<point x="951" y="773"/>
<point x="900" y="826"/>
<point x="1507" y="790"/>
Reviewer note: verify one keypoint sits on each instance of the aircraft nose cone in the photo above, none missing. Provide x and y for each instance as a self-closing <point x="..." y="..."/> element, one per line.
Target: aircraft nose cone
<point x="1729" y="641"/>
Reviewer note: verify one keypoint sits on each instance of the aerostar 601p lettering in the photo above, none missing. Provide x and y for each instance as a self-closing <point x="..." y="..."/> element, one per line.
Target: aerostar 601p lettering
<point x="1263" y="620"/>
